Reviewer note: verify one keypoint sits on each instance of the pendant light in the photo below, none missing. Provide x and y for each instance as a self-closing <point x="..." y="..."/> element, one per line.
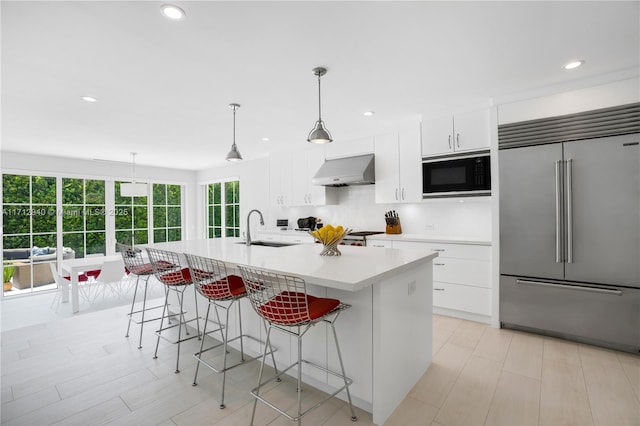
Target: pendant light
<point x="133" y="189"/>
<point x="234" y="154"/>
<point x="319" y="134"/>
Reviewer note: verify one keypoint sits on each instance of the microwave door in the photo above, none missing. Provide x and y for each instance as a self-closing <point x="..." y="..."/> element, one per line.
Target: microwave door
<point x="457" y="177"/>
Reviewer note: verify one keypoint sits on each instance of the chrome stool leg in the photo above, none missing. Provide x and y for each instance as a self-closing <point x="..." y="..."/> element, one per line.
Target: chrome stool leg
<point x="344" y="375"/>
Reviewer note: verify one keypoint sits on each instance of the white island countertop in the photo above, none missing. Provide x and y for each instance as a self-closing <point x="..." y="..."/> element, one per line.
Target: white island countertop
<point x="357" y="268"/>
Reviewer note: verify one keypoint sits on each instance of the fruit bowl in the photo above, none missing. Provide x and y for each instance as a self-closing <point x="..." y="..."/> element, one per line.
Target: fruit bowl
<point x="330" y="237"/>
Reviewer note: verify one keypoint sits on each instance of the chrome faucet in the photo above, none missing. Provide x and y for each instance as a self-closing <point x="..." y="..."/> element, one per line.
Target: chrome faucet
<point x="249" y="228"/>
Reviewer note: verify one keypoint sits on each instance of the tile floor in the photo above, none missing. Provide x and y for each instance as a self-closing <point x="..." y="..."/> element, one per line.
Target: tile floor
<point x="80" y="370"/>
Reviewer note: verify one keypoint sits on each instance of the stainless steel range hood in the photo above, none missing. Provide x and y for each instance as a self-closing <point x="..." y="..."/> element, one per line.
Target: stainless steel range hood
<point x="358" y="170"/>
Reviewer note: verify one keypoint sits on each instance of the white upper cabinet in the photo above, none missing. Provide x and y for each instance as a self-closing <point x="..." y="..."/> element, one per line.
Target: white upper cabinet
<point x="304" y="165"/>
<point x="280" y="174"/>
<point x="398" y="165"/>
<point x="467" y="131"/>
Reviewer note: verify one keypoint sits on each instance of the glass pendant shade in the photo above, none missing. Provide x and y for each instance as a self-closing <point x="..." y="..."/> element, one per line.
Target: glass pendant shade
<point x="319" y="134"/>
<point x="134" y="189"/>
<point x="234" y="154"/>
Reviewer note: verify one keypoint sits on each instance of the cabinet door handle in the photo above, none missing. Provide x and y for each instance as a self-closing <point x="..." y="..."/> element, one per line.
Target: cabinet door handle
<point x="571" y="287"/>
<point x="438" y="289"/>
<point x="396" y="194"/>
<point x="402" y="194"/>
<point x="449" y="141"/>
<point x="309" y="198"/>
<point x="458" y="139"/>
<point x="558" y="212"/>
<point x="569" y="194"/>
<point x="439" y="264"/>
<point x="437" y="249"/>
<point x="378" y="245"/>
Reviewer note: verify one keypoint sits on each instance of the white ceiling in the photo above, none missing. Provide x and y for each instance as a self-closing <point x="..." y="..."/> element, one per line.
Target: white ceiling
<point x="163" y="87"/>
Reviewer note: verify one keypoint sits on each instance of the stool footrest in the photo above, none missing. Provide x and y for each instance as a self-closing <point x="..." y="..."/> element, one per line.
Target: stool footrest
<point x="159" y="332"/>
<point x="244" y="360"/>
<point x="254" y="391"/>
<point x="139" y="321"/>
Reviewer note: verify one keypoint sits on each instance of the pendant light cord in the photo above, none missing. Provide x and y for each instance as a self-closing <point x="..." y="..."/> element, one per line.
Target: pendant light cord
<point x="319" y="102"/>
<point x="133" y="175"/>
<point x="234" y="126"/>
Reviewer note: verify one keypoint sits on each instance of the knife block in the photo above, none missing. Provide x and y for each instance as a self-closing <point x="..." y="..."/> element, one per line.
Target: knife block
<point x="393" y="225"/>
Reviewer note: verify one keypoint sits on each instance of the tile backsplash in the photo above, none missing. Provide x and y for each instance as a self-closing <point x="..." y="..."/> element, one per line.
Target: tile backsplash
<point x="356" y="208"/>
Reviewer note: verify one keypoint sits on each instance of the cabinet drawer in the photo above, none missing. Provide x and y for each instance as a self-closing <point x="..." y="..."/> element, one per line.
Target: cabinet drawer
<point x="462" y="271"/>
<point x="459" y="251"/>
<point x="462" y="298"/>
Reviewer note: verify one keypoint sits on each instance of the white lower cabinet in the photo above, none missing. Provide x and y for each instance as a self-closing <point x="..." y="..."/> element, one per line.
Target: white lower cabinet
<point x="462" y="298"/>
<point x="461" y="275"/>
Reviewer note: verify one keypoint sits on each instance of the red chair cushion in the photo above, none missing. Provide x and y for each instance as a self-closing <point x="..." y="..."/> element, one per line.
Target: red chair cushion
<point x="181" y="277"/>
<point x="81" y="277"/>
<point x="288" y="308"/>
<point x="93" y="273"/>
<point x="144" y="269"/>
<point x="219" y="290"/>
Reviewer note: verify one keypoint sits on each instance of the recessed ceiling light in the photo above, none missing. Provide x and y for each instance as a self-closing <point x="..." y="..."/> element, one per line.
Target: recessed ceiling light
<point x="573" y="64"/>
<point x="89" y="99"/>
<point x="172" y="12"/>
<point x="368" y="113"/>
<point x="265" y="139"/>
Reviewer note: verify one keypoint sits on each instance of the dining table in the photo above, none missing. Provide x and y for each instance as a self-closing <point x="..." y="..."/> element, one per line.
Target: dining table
<point x="75" y="267"/>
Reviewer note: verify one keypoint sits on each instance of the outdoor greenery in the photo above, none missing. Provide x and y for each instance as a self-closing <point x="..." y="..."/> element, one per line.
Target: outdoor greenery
<point x="30" y="213"/>
<point x="7" y="271"/>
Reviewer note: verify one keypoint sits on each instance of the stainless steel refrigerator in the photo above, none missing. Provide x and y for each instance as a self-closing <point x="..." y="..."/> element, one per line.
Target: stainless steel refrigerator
<point x="570" y="234"/>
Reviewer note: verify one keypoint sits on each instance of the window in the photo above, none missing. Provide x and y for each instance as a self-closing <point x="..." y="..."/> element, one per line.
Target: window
<point x="83" y="216"/>
<point x="223" y="209"/>
<point x="167" y="213"/>
<point x="131" y="217"/>
<point x="29" y="220"/>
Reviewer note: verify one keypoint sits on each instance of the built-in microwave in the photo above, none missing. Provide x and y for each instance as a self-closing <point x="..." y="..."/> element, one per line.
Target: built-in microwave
<point x="460" y="176"/>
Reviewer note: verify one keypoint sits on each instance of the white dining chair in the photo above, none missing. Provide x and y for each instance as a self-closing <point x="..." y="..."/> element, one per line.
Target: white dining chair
<point x="110" y="277"/>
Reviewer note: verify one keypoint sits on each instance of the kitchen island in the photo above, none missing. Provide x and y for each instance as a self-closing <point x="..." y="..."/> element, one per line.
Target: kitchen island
<point x="385" y="337"/>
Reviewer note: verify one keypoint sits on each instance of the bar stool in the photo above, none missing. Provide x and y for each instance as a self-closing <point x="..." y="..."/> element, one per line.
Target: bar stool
<point x="222" y="290"/>
<point x="169" y="271"/>
<point x="283" y="302"/>
<point x="135" y="263"/>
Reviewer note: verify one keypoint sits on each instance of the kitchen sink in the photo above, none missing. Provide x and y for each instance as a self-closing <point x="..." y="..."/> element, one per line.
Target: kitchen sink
<point x="269" y="243"/>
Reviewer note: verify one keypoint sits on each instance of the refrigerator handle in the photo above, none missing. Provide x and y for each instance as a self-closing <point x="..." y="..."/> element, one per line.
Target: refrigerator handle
<point x="558" y="212"/>
<point x="569" y="211"/>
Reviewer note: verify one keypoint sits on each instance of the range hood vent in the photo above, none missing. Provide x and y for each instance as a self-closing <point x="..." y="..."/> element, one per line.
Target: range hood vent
<point x="358" y="170"/>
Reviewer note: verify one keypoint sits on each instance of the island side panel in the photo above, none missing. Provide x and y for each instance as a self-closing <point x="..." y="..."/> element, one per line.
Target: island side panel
<point x="402" y="336"/>
<point x="354" y="328"/>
